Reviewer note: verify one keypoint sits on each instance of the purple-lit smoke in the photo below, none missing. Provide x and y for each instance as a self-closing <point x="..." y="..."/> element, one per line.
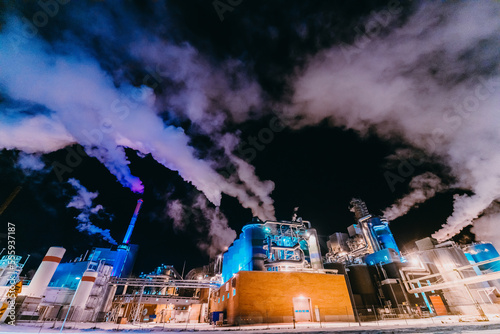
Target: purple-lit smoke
<point x="83" y="201"/>
<point x="71" y="100"/>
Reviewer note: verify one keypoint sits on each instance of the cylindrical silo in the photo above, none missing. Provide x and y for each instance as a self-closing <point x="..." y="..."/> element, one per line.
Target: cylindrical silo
<point x="84" y="288"/>
<point x="482" y="252"/>
<point x="45" y="271"/>
<point x="255" y="234"/>
<point x="227" y="270"/>
<point x="314" y="252"/>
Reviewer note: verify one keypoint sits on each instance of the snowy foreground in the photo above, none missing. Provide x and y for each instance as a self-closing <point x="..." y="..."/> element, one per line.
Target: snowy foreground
<point x="444" y="324"/>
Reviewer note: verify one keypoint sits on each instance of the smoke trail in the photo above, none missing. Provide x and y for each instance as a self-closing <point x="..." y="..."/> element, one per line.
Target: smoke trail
<point x="83" y="201"/>
<point x="422" y="187"/>
<point x="71" y="99"/>
<point x="209" y="222"/>
<point x="30" y="163"/>
<point x="433" y="82"/>
<point x="486" y="227"/>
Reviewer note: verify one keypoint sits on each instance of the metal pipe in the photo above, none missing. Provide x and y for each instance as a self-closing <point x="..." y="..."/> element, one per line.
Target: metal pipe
<point x="468" y="280"/>
<point x="283" y="223"/>
<point x="290" y="262"/>
<point x="445" y="244"/>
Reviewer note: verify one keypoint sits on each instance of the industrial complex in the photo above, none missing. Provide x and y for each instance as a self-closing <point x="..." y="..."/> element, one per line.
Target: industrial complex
<point x="274" y="272"/>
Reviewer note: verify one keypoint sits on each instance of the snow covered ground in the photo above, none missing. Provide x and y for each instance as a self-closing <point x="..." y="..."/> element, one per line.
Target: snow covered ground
<point x="444" y="324"/>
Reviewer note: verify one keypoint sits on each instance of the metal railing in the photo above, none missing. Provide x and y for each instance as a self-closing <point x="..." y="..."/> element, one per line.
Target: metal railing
<point x="162" y="283"/>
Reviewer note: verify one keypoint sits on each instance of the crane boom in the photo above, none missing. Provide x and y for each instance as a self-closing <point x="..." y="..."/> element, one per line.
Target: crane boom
<point x="9" y="199"/>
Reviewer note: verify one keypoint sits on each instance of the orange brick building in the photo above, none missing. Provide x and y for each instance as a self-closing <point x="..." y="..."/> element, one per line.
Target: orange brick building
<point x="274" y="297"/>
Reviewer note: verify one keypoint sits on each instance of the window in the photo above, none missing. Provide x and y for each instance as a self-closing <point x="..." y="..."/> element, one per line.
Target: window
<point x="228" y="295"/>
<point x="219" y="301"/>
<point x="222" y="298"/>
<point x="234" y="292"/>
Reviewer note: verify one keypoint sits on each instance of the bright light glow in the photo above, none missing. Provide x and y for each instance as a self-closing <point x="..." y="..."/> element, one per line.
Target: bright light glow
<point x="414" y="262"/>
<point x="77" y="278"/>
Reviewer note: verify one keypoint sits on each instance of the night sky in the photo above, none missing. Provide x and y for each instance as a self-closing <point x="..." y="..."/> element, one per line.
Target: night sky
<point x="220" y="111"/>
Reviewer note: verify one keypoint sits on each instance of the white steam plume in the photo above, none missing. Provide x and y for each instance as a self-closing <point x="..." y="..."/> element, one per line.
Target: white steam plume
<point x="82" y="104"/>
<point x="30" y="163"/>
<point x="433" y="82"/>
<point x="422" y="187"/>
<point x="209" y="221"/>
<point x="486" y="227"/>
<point x="83" y="201"/>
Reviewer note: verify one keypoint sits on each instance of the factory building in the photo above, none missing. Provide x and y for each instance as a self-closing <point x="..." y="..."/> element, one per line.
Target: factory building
<point x="77" y="289"/>
<point x="274" y="273"/>
<point x="371" y="259"/>
<point x="436" y="279"/>
<point x="460" y="280"/>
<point x="162" y="296"/>
<point x="10" y="286"/>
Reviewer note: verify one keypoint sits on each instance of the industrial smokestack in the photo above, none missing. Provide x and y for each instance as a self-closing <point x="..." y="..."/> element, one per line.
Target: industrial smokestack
<point x="84" y="288"/>
<point x="45" y="271"/>
<point x="126" y="239"/>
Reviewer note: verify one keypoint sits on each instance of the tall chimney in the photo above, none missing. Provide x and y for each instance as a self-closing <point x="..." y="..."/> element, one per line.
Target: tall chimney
<point x="126" y="239"/>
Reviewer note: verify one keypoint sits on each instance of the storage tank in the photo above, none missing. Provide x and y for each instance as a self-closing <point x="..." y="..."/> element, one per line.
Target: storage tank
<point x="237" y="261"/>
<point x="226" y="270"/>
<point x="314" y="252"/>
<point x="45" y="271"/>
<point x="256" y="236"/>
<point x="360" y="280"/>
<point x="84" y="288"/>
<point x="483" y="252"/>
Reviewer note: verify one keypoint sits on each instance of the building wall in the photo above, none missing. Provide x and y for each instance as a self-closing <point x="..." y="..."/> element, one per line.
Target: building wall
<point x="268" y="297"/>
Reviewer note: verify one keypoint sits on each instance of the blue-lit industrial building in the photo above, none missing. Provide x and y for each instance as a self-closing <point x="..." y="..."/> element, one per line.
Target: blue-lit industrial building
<point x="55" y="296"/>
<point x="275" y="268"/>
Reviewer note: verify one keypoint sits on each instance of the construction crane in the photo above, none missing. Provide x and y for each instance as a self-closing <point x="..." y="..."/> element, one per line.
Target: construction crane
<point x="9" y="199"/>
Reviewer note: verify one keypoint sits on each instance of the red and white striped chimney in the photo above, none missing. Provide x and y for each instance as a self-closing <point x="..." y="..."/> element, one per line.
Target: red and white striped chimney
<point x="84" y="288"/>
<point x="45" y="271"/>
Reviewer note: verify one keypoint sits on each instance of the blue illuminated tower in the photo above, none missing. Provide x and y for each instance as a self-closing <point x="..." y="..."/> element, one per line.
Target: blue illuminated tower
<point x="125" y="252"/>
<point x="380" y="241"/>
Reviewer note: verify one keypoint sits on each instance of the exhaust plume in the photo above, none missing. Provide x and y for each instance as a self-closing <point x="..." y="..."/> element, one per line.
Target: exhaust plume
<point x="65" y="96"/>
<point x="422" y="187"/>
<point x="30" y="163"/>
<point x="432" y="80"/>
<point x="209" y="222"/>
<point x="83" y="201"/>
<point x="486" y="227"/>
